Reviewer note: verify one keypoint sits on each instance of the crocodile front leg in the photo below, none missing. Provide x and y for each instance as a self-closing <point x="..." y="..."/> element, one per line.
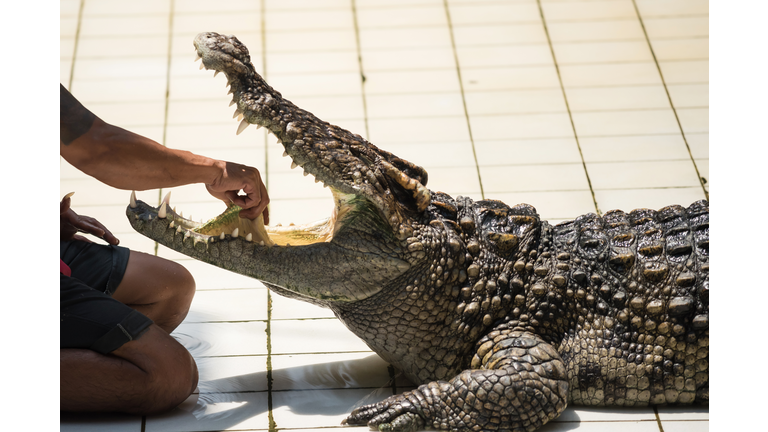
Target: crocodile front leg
<point x="518" y="382"/>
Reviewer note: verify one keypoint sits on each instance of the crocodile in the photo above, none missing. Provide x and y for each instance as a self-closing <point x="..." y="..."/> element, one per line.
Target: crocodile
<point x="501" y="318"/>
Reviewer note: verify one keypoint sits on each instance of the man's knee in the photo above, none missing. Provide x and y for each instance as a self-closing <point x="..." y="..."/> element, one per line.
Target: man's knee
<point x="171" y="372"/>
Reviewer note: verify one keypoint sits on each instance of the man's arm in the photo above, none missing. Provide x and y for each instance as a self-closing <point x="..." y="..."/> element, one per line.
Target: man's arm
<point x="125" y="160"/>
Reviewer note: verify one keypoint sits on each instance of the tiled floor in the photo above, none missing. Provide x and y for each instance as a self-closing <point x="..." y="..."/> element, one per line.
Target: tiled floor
<point x="573" y="106"/>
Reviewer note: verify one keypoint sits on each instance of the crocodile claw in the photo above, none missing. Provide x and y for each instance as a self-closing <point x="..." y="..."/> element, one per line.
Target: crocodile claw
<point x="390" y="415"/>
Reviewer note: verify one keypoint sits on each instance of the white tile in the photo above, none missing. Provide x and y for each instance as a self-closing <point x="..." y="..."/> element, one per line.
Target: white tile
<point x="689" y="95"/>
<point x="699" y="144"/>
<point x="499" y="34"/>
<point x="657" y="8"/>
<point x="210" y="277"/>
<point x="694" y="120"/>
<point x="66" y="47"/>
<point x="683" y="412"/>
<point x="197" y="138"/>
<point x="284" y="308"/>
<point x="68" y="26"/>
<point x="318" y="84"/>
<point x="198" y="6"/>
<point x="455" y="181"/>
<point x="129" y="114"/>
<point x="232" y="374"/>
<point x="223" y="339"/>
<point x="473" y="13"/>
<point x="317" y="40"/>
<point x="627" y="426"/>
<point x="130" y="68"/>
<point x="630" y="122"/>
<point x="435" y="155"/>
<point x="588" y="10"/>
<point x="414" y="105"/>
<point x="320" y="408"/>
<point x="515" y="101"/>
<point x="520" y="178"/>
<point x="413" y="16"/>
<point x="136" y="7"/>
<point x="521" y="126"/>
<point x="201" y="112"/>
<point x="154" y="25"/>
<point x="685" y="71"/>
<point x="69" y="7"/>
<point x="602" y="52"/>
<point x="302" y="20"/>
<point x="319" y="371"/>
<point x="681" y="49"/>
<point x="509" y="78"/>
<point x="634" y="148"/>
<point x="408" y="59"/>
<point x="616" y="98"/>
<point x="122" y="46"/>
<point x="630" y="199"/>
<point x="228" y="305"/>
<point x="305" y="4"/>
<point x="404" y="130"/>
<point x="216" y="411"/>
<point x="313" y="336"/>
<point x="588" y="414"/>
<point x="591" y="31"/>
<point x="619" y="74"/>
<point x="312" y="62"/>
<point x="684" y="26"/>
<point x="408" y="37"/>
<point x="222" y="22"/>
<point x="330" y="107"/>
<point x="644" y="174"/>
<point x="686" y="426"/>
<point x="504" y="55"/>
<point x="151" y="89"/>
<point x="532" y="151"/>
<point x="388" y="82"/>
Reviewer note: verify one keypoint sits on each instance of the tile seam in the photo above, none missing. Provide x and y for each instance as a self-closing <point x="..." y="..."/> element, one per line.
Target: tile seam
<point x="672" y="105"/>
<point x="74" y="49"/>
<point x="567" y="105"/>
<point x="463" y="95"/>
<point x="358" y="47"/>
<point x="166" y="99"/>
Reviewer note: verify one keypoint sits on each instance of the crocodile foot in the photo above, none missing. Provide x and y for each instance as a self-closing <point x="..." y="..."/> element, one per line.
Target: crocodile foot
<point x="393" y="414"/>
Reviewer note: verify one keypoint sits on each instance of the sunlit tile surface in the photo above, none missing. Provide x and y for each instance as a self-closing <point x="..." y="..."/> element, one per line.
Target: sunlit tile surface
<point x="572" y="106"/>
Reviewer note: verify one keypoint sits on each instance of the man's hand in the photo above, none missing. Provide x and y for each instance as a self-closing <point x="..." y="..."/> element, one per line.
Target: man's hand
<point x="71" y="223"/>
<point x="236" y="177"/>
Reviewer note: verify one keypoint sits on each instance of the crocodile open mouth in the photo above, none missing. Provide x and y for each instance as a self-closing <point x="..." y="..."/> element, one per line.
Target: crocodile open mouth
<point x="229" y="225"/>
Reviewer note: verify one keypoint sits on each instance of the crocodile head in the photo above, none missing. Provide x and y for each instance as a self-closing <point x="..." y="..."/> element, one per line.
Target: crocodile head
<point x="347" y="257"/>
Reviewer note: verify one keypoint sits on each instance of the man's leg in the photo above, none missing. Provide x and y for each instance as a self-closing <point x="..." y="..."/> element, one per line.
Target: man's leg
<point x="158" y="288"/>
<point x="148" y="375"/>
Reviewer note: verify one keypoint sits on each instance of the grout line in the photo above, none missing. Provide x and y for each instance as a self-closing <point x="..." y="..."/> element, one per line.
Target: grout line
<point x="360" y="63"/>
<point x="671" y="104"/>
<point x="567" y="106"/>
<point x="77" y="39"/>
<point x="268" y="330"/>
<point x="463" y="96"/>
<point x="167" y="98"/>
<point x="656" y="412"/>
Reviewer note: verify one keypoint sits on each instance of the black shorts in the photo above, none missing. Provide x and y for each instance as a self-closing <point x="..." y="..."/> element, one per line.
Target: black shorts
<point x="90" y="317"/>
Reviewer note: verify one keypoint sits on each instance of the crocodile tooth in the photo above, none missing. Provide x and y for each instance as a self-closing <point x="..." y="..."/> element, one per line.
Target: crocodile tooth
<point x="232" y="103"/>
<point x="171" y="225"/>
<point x="306" y="173"/>
<point x="202" y="65"/>
<point x="258" y="126"/>
<point x="243" y="124"/>
<point x="294" y="165"/>
<point x="161" y="213"/>
<point x="237" y="113"/>
<point x="261" y="243"/>
<point x="167" y="198"/>
<point x="197" y="56"/>
<point x="221" y="236"/>
<point x="230" y="91"/>
<point x="215" y="73"/>
<point x="285" y="153"/>
<point x="249" y="237"/>
<point x="235" y="232"/>
<point x="179" y="229"/>
<point x="133" y="199"/>
<point x="317" y="180"/>
<point x="279" y="141"/>
<point x="240" y="117"/>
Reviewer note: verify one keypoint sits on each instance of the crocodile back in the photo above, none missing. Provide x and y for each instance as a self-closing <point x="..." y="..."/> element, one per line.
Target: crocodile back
<point x="638" y="302"/>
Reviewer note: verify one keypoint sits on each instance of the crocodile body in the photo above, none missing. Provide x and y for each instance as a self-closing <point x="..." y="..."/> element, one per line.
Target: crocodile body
<point x="501" y="317"/>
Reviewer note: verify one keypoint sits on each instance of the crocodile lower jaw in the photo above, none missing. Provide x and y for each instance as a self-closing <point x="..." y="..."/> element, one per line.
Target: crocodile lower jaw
<point x="229" y="225"/>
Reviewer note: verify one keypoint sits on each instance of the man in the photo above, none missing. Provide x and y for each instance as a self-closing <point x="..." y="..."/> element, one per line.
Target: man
<point x="118" y="306"/>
